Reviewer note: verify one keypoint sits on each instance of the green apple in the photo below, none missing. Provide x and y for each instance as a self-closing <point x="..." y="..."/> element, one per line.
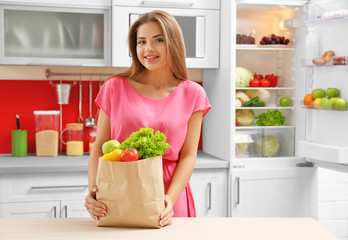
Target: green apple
<point x="339" y="104"/>
<point x="332" y="92"/>
<point x="316" y="103"/>
<point x="318" y="93"/>
<point x="110" y="145"/>
<point x="284" y="102"/>
<point x="325" y="103"/>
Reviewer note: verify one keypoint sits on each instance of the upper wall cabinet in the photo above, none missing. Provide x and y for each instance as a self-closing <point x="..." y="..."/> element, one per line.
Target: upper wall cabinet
<point x="199" y="22"/>
<point x="37" y="34"/>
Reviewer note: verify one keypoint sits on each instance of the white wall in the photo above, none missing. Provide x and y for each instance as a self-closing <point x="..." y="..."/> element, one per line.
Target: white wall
<point x="333" y="202"/>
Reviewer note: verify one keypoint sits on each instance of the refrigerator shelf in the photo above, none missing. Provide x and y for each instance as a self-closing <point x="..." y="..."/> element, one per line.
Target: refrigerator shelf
<point x="266" y="88"/>
<point x="265" y="108"/>
<point x="268" y="48"/>
<point x="265" y="127"/>
<point x="323" y="152"/>
<point x="334" y="61"/>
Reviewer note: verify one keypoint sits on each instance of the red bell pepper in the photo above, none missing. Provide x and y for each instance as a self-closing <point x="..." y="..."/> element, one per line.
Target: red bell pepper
<point x="258" y="76"/>
<point x="273" y="79"/>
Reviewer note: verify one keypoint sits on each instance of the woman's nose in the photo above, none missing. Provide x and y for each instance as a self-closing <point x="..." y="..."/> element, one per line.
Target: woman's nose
<point x="149" y="46"/>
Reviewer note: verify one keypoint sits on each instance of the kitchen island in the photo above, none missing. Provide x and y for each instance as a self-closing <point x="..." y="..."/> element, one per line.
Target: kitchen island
<point x="182" y="228"/>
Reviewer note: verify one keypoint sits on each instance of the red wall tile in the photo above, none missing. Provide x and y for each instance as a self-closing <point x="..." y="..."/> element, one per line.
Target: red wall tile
<point x="22" y="97"/>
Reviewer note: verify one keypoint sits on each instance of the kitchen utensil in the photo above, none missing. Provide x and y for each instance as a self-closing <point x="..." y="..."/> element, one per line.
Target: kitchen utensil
<point x="80" y="119"/>
<point x="19" y="141"/>
<point x="63" y="92"/>
<point x="90" y="122"/>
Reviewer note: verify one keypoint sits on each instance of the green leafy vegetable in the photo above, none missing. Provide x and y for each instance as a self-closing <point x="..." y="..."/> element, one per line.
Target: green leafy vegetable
<point x="147" y="143"/>
<point x="270" y="118"/>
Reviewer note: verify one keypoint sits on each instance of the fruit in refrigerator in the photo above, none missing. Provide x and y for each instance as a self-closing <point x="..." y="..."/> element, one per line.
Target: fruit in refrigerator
<point x="245" y="117"/>
<point x="339" y="104"/>
<point x="265" y="83"/>
<point x="243" y="77"/>
<point x="273" y="79"/>
<point x="332" y="92"/>
<point x="284" y="102"/>
<point x="258" y="76"/>
<point x="254" y="83"/>
<point x="318" y="93"/>
<point x="110" y="145"/>
<point x="316" y="103"/>
<point x="308" y="100"/>
<point x="325" y="103"/>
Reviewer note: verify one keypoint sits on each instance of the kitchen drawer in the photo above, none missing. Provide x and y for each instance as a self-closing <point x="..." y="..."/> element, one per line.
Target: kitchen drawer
<point x="43" y="186"/>
<point x="30" y="210"/>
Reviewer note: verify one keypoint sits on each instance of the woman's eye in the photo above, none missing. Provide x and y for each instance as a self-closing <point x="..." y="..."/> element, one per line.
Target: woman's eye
<point x="159" y="40"/>
<point x="141" y="42"/>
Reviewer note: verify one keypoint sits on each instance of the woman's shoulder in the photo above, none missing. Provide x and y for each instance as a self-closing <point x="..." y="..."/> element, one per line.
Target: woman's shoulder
<point x="115" y="79"/>
<point x="192" y="86"/>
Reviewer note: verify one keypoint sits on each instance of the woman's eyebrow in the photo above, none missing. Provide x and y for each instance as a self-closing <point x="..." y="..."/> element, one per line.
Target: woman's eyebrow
<point x="158" y="35"/>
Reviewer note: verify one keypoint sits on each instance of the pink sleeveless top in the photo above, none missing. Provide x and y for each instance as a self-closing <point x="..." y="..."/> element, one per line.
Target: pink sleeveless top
<point x="128" y="111"/>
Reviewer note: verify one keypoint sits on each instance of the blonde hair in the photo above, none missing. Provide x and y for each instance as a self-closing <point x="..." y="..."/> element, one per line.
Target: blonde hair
<point x="174" y="42"/>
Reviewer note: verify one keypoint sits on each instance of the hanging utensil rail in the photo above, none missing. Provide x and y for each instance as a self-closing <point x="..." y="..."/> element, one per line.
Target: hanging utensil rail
<point x="74" y="75"/>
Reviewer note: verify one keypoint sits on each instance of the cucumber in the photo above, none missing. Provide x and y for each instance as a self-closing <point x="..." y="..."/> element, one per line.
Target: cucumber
<point x="251" y="102"/>
<point x="259" y="104"/>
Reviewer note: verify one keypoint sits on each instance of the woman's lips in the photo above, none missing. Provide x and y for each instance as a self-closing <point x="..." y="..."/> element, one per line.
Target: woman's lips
<point x="151" y="58"/>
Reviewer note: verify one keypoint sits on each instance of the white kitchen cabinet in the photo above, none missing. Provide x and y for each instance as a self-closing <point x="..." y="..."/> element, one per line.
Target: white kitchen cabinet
<point x="273" y="192"/>
<point x="30" y="210"/>
<point x="209" y="188"/>
<point x="41" y="34"/>
<point x="57" y="194"/>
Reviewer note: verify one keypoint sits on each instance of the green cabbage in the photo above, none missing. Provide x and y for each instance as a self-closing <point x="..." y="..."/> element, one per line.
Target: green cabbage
<point x="270" y="146"/>
<point x="146" y="143"/>
<point x="245" y="117"/>
<point x="243" y="77"/>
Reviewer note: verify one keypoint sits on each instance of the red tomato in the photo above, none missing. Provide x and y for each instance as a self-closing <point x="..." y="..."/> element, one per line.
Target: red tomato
<point x="236" y="121"/>
<point x="130" y="154"/>
<point x="254" y="83"/>
<point x="265" y="83"/>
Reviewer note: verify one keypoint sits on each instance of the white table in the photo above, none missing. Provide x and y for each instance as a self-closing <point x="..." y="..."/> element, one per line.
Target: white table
<point x="182" y="228"/>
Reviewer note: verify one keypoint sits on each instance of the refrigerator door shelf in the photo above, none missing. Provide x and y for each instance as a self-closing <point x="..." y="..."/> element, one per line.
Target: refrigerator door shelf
<point x="323" y="152"/>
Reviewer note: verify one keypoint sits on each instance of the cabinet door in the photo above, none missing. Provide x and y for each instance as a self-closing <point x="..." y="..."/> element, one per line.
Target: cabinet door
<point x="74" y="209"/>
<point x="59" y="36"/>
<point x="30" y="210"/>
<point x="209" y="188"/>
<point x="274" y="193"/>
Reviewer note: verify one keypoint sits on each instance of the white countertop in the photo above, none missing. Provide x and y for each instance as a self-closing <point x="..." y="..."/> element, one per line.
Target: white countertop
<point x="182" y="228"/>
<point x="63" y="163"/>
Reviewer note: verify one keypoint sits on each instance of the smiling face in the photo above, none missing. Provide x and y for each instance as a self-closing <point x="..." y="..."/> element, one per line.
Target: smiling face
<point x="151" y="46"/>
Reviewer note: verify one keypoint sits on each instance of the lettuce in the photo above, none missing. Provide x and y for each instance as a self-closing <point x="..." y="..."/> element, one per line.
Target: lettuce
<point x="270" y="118"/>
<point x="147" y="143"/>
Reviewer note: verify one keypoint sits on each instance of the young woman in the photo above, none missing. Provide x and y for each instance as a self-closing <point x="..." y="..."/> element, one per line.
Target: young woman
<point x="154" y="93"/>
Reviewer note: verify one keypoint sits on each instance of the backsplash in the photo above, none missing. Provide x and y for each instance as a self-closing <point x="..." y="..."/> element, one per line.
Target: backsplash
<point x="22" y="97"/>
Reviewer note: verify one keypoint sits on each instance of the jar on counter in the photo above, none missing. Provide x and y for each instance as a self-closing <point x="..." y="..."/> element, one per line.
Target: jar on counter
<point x="74" y="139"/>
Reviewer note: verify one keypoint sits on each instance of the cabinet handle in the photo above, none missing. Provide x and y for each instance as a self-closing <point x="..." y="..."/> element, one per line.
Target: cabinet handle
<point x="237" y="190"/>
<point x="57" y="187"/>
<point x="66" y="211"/>
<point x="55" y="212"/>
<point x="167" y="4"/>
<point x="209" y="196"/>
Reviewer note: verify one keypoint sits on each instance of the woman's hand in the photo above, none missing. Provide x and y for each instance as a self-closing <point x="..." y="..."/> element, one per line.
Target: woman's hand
<point x="167" y="214"/>
<point x="96" y="209"/>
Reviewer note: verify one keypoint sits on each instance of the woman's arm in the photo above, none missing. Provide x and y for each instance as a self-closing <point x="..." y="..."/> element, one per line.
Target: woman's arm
<point x="95" y="208"/>
<point x="186" y="163"/>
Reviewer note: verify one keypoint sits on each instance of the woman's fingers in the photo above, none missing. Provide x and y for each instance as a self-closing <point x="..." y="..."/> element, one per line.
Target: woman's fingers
<point x="167" y="214"/>
<point x="96" y="209"/>
<point x="167" y="219"/>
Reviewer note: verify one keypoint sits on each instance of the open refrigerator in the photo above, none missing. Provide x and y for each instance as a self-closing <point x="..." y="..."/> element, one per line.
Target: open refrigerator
<point x="273" y="169"/>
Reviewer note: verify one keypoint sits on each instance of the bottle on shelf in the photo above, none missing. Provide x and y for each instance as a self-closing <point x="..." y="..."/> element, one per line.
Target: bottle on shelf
<point x="311" y="47"/>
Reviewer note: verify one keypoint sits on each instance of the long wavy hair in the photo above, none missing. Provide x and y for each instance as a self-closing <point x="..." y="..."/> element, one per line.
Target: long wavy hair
<point x="174" y="42"/>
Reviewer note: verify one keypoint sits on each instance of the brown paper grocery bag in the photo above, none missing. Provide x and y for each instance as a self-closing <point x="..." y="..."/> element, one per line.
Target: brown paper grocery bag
<point x="133" y="192"/>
